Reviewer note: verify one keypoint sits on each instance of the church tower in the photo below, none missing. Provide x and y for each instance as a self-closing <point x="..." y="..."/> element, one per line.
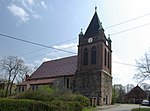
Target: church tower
<point x="93" y="75"/>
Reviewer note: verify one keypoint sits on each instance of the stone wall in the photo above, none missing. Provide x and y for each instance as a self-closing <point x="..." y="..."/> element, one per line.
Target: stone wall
<point x="94" y="84"/>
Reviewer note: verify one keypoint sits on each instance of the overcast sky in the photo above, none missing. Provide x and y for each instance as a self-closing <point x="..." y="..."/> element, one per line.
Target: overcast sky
<point x="58" y="23"/>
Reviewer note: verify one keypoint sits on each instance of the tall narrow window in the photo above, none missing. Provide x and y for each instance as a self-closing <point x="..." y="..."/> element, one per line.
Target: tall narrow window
<point x="105" y="58"/>
<point x="108" y="60"/>
<point x="22" y="88"/>
<point x="93" y="55"/>
<point x="68" y="84"/>
<point x="19" y="89"/>
<point x="85" y="57"/>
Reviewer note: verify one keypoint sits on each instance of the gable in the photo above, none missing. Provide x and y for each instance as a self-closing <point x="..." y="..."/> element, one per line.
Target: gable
<point x="55" y="68"/>
<point x="136" y="92"/>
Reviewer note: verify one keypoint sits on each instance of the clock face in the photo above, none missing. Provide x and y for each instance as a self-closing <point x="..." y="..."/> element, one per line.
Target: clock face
<point x="90" y="40"/>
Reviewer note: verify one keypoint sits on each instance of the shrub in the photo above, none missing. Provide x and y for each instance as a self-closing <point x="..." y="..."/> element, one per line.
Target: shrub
<point x="43" y="93"/>
<point x="22" y="105"/>
<point x="2" y="93"/>
<point x="84" y="101"/>
<point x="75" y="106"/>
<point x="58" y="105"/>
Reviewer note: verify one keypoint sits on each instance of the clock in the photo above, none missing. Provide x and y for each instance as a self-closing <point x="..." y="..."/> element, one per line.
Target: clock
<point x="90" y="40"/>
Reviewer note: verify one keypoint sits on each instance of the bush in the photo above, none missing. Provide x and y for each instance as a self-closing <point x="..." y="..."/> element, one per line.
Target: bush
<point x="75" y="106"/>
<point x="2" y="93"/>
<point x="58" y="105"/>
<point x="22" y="105"/>
<point x="84" y="101"/>
<point x="43" y="93"/>
<point x="55" y="100"/>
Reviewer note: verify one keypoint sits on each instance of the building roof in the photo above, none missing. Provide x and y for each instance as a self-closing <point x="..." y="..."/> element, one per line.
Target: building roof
<point x="56" y="68"/>
<point x="94" y="26"/>
<point x="37" y="81"/>
<point x="136" y="93"/>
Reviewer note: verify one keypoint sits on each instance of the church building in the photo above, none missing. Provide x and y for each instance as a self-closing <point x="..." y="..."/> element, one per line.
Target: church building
<point x="88" y="73"/>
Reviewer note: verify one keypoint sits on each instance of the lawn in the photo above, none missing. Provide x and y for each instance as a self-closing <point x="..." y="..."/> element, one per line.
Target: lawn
<point x="88" y="109"/>
<point x="141" y="109"/>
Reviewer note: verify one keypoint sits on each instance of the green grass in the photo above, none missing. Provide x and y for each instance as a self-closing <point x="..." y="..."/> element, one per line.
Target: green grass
<point x="141" y="109"/>
<point x="88" y="109"/>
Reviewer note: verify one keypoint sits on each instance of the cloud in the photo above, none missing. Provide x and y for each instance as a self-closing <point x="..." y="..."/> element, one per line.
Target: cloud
<point x="27" y="9"/>
<point x="18" y="12"/>
<point x="122" y="74"/>
<point x="30" y="2"/>
<point x="37" y="16"/>
<point x="64" y="46"/>
<point x="43" y="4"/>
<point x="54" y="54"/>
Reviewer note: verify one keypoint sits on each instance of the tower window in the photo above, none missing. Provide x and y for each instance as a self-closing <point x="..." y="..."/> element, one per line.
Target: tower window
<point x="22" y="88"/>
<point x="105" y="58"/>
<point x="108" y="60"/>
<point x="68" y="83"/>
<point x="85" y="57"/>
<point x="93" y="55"/>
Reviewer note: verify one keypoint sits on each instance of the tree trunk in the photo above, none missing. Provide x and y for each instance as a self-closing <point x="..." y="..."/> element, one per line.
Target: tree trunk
<point x="8" y="84"/>
<point x="11" y="84"/>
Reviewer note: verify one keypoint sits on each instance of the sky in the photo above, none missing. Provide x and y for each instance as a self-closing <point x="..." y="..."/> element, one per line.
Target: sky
<point x="58" y="23"/>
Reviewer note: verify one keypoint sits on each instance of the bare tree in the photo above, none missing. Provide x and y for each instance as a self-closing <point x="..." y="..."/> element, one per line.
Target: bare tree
<point x="145" y="86"/>
<point x="22" y="73"/>
<point x="12" y="67"/>
<point x="128" y="87"/>
<point x="143" y="70"/>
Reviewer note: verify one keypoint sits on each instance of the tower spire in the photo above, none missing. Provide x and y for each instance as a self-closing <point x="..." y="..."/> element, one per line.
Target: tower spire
<point x="95" y="25"/>
<point x="95" y="8"/>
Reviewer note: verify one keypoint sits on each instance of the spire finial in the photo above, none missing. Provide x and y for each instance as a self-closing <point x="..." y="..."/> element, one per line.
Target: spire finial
<point x="81" y="33"/>
<point x="108" y="36"/>
<point x="95" y="8"/>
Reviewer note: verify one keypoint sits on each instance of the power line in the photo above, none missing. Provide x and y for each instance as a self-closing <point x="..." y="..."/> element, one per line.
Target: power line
<point x="54" y="48"/>
<point x="44" y="53"/>
<point x="125" y="64"/>
<point x="75" y="38"/>
<point x="130" y="29"/>
<point x="46" y="47"/>
<point x="34" y="43"/>
<point x="129" y="20"/>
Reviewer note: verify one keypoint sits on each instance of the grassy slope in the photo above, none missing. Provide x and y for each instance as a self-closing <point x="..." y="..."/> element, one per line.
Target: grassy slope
<point x="141" y="109"/>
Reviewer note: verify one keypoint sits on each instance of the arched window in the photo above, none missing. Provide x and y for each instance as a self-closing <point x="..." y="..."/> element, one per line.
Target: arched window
<point x="85" y="57"/>
<point x="105" y="57"/>
<point x="93" y="55"/>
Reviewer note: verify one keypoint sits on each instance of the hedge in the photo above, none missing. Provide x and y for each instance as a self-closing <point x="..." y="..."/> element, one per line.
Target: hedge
<point x="31" y="105"/>
<point x="22" y="105"/>
<point x="58" y="105"/>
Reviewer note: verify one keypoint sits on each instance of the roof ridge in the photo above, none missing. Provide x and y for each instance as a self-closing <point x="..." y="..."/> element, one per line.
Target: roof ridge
<point x="60" y="58"/>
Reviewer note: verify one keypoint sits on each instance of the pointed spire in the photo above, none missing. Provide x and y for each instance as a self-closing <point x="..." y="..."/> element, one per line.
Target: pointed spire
<point x="94" y="26"/>
<point x="81" y="33"/>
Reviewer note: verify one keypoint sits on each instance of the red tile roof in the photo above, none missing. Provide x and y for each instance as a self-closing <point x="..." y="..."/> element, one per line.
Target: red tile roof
<point x="55" y="68"/>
